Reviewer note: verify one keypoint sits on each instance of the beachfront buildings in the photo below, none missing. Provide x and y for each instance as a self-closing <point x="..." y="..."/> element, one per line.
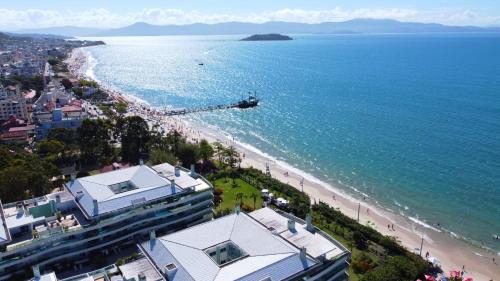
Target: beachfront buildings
<point x="12" y="104"/>
<point x="57" y="108"/>
<point x="263" y="245"/>
<point x="95" y="214"/>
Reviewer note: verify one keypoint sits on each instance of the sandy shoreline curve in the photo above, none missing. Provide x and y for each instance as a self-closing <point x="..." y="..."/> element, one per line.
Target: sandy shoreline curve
<point x="451" y="252"/>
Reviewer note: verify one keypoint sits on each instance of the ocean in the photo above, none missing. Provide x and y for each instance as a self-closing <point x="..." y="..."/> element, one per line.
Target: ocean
<point x="410" y="121"/>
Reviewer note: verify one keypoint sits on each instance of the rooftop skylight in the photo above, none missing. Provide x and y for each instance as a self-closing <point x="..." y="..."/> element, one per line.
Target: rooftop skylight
<point x="225" y="253"/>
<point x="122" y="187"/>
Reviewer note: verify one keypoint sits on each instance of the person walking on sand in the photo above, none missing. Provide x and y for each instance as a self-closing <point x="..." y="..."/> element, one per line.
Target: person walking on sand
<point x="368" y="211"/>
<point x="393" y="227"/>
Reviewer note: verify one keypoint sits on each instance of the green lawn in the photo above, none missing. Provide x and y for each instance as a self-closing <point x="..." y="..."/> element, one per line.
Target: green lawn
<point x="229" y="196"/>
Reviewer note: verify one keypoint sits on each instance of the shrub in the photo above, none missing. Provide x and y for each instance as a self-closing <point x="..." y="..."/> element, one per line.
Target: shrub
<point x="218" y="191"/>
<point x="362" y="264"/>
<point x="360" y="240"/>
<point x="247" y="208"/>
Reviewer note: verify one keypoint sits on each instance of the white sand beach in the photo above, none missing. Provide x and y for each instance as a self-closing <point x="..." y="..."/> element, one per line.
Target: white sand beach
<point x="451" y="252"/>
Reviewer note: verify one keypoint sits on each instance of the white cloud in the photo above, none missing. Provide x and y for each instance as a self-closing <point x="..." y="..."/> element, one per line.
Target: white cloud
<point x="33" y="18"/>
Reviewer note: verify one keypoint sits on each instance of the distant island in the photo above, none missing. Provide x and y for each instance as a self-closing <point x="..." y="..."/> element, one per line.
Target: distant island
<point x="267" y="37"/>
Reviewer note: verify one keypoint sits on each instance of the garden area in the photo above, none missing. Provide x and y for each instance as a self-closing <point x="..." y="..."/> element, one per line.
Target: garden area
<point x="234" y="193"/>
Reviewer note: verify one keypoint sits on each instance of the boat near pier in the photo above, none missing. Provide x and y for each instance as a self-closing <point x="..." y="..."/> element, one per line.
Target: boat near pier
<point x="244" y="103"/>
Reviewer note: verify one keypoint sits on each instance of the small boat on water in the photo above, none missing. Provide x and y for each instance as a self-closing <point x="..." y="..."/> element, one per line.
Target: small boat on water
<point x="252" y="101"/>
<point x="200" y="63"/>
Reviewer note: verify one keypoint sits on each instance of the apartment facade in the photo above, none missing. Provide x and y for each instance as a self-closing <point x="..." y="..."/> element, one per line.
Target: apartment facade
<point x="12" y="103"/>
<point x="97" y="213"/>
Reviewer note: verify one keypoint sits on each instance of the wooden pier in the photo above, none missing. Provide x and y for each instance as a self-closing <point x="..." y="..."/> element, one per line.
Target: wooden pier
<point x="251" y="102"/>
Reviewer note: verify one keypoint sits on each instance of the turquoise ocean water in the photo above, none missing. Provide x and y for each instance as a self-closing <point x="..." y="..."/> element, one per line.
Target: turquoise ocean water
<point x="411" y="121"/>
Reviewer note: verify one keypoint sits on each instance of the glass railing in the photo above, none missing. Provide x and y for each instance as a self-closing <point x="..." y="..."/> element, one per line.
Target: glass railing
<point x="108" y="270"/>
<point x="62" y="242"/>
<point x="175" y="223"/>
<point x="130" y="213"/>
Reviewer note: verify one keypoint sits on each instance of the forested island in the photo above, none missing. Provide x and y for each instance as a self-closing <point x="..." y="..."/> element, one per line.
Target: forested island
<point x="267" y="37"/>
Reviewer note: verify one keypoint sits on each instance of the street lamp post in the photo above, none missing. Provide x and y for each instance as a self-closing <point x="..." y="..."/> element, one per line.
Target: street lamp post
<point x="359" y="207"/>
<point x="421" y="244"/>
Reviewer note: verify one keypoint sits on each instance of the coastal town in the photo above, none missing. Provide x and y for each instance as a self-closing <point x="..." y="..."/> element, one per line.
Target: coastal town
<point x="95" y="185"/>
<point x="98" y="215"/>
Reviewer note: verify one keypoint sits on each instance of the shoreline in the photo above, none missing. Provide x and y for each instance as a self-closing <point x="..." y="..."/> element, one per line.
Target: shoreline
<point x="452" y="252"/>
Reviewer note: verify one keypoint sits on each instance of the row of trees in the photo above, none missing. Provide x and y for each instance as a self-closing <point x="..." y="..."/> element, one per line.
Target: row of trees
<point x="137" y="141"/>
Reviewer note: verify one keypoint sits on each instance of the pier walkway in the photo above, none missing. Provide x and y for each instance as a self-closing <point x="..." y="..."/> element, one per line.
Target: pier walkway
<point x="251" y="102"/>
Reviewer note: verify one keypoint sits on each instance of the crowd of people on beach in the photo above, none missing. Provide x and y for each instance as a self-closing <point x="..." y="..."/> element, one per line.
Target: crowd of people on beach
<point x="155" y="117"/>
<point x="78" y="62"/>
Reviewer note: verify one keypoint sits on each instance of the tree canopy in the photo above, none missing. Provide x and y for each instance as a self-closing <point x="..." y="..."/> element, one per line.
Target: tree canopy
<point x="23" y="174"/>
<point x="94" y="140"/>
<point x="134" y="138"/>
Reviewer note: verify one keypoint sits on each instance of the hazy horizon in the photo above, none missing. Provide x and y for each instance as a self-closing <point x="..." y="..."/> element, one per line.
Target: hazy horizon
<point x="18" y="15"/>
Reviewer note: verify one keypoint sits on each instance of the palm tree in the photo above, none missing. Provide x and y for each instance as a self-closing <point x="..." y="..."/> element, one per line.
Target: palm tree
<point x="232" y="157"/>
<point x="239" y="196"/>
<point x="254" y="197"/>
<point x="219" y="151"/>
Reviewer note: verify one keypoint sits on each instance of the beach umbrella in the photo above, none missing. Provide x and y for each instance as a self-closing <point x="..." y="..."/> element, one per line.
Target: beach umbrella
<point x="429" y="278"/>
<point x="434" y="261"/>
<point x="455" y="274"/>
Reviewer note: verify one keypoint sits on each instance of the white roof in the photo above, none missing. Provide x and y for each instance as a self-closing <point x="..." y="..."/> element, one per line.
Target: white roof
<point x="148" y="184"/>
<point x="4" y="230"/>
<point x="19" y="219"/>
<point x="315" y="243"/>
<point x="133" y="269"/>
<point x="267" y="255"/>
<point x="184" y="180"/>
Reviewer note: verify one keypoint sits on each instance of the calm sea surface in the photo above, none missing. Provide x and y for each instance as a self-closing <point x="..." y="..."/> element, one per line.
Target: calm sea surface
<point x="411" y="121"/>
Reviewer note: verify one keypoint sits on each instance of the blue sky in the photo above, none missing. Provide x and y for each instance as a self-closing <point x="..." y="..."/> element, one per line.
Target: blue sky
<point x="113" y="13"/>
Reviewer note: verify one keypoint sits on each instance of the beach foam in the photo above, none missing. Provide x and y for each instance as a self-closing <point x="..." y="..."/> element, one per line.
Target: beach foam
<point x="419" y="222"/>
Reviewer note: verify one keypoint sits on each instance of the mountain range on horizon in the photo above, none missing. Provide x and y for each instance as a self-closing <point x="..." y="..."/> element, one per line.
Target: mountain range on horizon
<point x="366" y="26"/>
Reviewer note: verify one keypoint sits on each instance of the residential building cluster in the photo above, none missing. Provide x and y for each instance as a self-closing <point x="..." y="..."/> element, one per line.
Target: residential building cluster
<point x="27" y="56"/>
<point x="26" y="115"/>
<point x="58" y="107"/>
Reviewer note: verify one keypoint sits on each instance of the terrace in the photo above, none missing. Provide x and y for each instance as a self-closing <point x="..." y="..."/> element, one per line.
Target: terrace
<point x="41" y="218"/>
